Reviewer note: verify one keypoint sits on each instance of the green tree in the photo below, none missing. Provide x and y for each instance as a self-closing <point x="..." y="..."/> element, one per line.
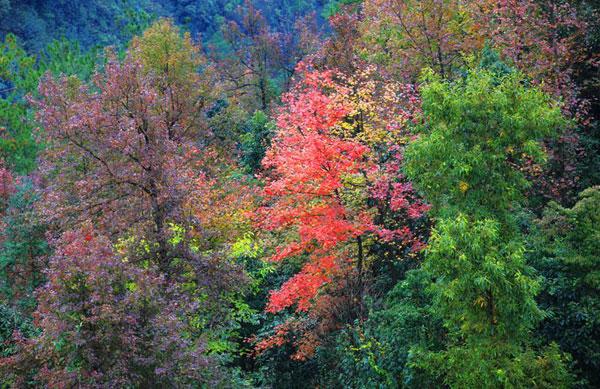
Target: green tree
<point x="20" y="73"/>
<point x="485" y="292"/>
<point x="255" y="140"/>
<point x="566" y="253"/>
<point x="377" y="353"/>
<point x="23" y="246"/>
<point x="480" y="134"/>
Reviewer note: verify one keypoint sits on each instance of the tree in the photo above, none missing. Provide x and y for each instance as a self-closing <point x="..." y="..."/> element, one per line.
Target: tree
<point x="23" y="249"/>
<point x="482" y="287"/>
<point x="411" y="35"/>
<point x="309" y="167"/>
<point x="544" y="40"/>
<point x="565" y="252"/>
<point x="133" y="155"/>
<point x="495" y="126"/>
<point x="339" y="51"/>
<point x="324" y="188"/>
<point x="20" y="73"/>
<point x="255" y="54"/>
<point x="106" y="322"/>
<point x="124" y="152"/>
<point x="7" y="187"/>
<point x="378" y="352"/>
<point x="255" y="140"/>
<point x="485" y="294"/>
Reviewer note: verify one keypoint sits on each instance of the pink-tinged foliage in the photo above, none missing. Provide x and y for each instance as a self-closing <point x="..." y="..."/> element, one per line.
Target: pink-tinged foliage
<point x="396" y="198"/>
<point x="131" y="154"/>
<point x="544" y="40"/>
<point x="107" y="323"/>
<point x="338" y="52"/>
<point x="123" y="152"/>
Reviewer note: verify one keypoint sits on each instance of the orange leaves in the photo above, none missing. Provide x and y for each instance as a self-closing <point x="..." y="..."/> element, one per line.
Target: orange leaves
<point x="328" y="176"/>
<point x="304" y="286"/>
<point x="277" y="340"/>
<point x="305" y="191"/>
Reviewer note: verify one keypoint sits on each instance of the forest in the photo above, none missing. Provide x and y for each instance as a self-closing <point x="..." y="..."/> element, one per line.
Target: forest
<point x="300" y="194"/>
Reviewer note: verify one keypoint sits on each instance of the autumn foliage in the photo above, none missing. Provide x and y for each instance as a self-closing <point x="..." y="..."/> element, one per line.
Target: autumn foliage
<point x="341" y="193"/>
<point x="321" y="173"/>
<point x="109" y="318"/>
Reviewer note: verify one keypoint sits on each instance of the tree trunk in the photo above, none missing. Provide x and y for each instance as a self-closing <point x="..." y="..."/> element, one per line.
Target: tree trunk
<point x="159" y="231"/>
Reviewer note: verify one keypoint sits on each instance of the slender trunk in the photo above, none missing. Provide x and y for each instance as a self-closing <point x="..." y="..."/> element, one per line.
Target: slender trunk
<point x="360" y="266"/>
<point x="441" y="61"/>
<point x="159" y="230"/>
<point x="263" y="93"/>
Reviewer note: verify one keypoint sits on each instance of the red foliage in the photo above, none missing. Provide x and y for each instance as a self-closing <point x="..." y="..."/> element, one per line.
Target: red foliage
<point x="308" y="166"/>
<point x="304" y="286"/>
<point x="316" y="195"/>
<point x="393" y="193"/>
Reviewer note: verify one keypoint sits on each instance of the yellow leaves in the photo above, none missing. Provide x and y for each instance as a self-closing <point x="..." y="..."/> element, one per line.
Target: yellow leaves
<point x="481" y="302"/>
<point x="347" y="126"/>
<point x="246" y="246"/>
<point x="163" y="50"/>
<point x="378" y="107"/>
<point x="131" y="286"/>
<point x="177" y="233"/>
<point x="73" y="85"/>
<point x="131" y="243"/>
<point x="463" y="186"/>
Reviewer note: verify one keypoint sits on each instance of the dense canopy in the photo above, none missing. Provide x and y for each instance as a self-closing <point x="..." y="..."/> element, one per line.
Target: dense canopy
<point x="300" y="194"/>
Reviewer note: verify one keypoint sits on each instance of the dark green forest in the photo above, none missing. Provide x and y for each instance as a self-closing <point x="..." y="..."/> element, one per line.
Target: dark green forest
<point x="299" y="194"/>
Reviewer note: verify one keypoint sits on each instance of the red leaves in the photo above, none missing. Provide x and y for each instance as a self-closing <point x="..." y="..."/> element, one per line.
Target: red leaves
<point x="301" y="288"/>
<point x="392" y="190"/>
<point x="320" y="176"/>
<point x="308" y="168"/>
<point x="308" y="107"/>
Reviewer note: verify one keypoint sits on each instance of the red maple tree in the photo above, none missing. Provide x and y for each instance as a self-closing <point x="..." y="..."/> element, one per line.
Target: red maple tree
<point x="317" y="196"/>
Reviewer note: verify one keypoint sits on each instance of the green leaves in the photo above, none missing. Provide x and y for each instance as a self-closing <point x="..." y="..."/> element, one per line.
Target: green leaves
<point x="480" y="134"/>
<point x="480" y="287"/>
<point x="479" y="131"/>
<point x="565" y="251"/>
